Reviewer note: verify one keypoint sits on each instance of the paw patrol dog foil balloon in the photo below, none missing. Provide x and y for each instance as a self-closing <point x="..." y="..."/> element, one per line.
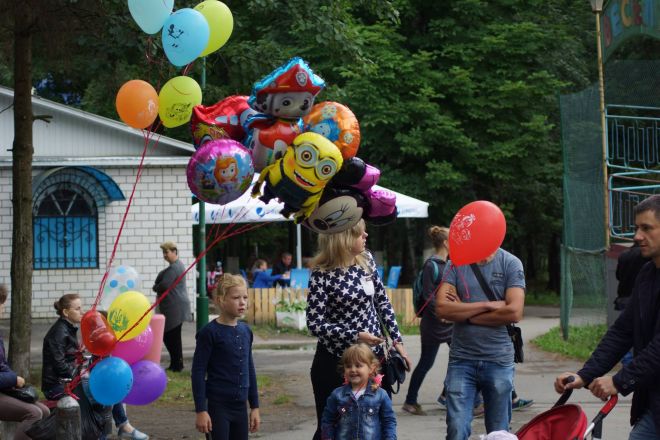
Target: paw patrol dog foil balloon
<point x="220" y="171"/>
<point x="269" y="138"/>
<point x="299" y="177"/>
<point x="221" y="120"/>
<point x="337" y="123"/>
<point x="288" y="92"/>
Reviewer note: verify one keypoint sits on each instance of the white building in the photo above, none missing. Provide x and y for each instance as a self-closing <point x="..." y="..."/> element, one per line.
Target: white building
<point x="84" y="170"/>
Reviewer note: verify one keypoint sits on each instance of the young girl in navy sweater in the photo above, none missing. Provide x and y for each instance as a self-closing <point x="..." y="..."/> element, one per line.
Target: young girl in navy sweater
<point x="223" y="376"/>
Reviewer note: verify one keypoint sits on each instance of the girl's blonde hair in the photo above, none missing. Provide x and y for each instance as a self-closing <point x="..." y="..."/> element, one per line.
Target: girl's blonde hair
<point x="439" y="235"/>
<point x="227" y="282"/>
<point x="65" y="302"/>
<point x="361" y="353"/>
<point x="335" y="249"/>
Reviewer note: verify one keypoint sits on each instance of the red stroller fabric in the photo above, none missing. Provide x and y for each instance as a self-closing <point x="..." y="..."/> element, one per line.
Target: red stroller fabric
<point x="565" y="422"/>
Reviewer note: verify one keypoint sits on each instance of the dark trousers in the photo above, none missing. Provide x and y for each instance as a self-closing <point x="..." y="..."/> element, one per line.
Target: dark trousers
<point x="325" y="378"/>
<point x="172" y="341"/>
<point x="229" y="421"/>
<point x="426" y="360"/>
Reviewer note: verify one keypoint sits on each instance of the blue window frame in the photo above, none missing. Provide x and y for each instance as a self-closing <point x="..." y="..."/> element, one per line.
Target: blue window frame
<point x="65" y="222"/>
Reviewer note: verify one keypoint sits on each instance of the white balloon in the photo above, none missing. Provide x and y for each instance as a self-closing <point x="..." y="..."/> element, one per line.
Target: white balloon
<point x="120" y="279"/>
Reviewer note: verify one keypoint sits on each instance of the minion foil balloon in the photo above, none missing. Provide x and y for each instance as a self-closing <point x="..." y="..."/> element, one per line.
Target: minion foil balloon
<point x="298" y="178"/>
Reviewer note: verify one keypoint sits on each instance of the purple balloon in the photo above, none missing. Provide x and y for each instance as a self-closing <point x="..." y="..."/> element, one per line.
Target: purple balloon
<point x="134" y="349"/>
<point x="149" y="382"/>
<point x="220" y="171"/>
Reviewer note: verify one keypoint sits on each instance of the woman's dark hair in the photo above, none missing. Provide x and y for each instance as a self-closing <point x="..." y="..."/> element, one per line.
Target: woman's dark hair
<point x="439" y="235"/>
<point x="3" y="293"/>
<point x="65" y="302"/>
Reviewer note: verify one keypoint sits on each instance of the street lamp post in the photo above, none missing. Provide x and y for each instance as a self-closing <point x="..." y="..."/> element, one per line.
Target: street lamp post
<point x="597" y="9"/>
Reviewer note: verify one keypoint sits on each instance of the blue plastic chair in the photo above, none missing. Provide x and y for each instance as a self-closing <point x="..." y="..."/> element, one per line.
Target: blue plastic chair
<point x="299" y="278"/>
<point x="393" y="277"/>
<point x="244" y="274"/>
<point x="381" y="273"/>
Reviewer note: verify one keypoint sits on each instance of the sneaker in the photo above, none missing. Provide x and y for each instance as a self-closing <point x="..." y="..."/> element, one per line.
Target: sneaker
<point x="442" y="401"/>
<point x="521" y="403"/>
<point x="134" y="435"/>
<point x="478" y="411"/>
<point x="414" y="409"/>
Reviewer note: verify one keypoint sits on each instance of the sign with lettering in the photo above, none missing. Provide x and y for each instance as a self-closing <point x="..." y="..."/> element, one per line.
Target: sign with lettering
<point x="624" y="19"/>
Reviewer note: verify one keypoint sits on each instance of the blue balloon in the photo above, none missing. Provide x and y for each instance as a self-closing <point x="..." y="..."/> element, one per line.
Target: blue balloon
<point x="150" y="14"/>
<point x="110" y="380"/>
<point x="185" y="35"/>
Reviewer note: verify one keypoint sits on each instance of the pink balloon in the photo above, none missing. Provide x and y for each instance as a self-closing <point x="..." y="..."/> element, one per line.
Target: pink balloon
<point x="134" y="349"/>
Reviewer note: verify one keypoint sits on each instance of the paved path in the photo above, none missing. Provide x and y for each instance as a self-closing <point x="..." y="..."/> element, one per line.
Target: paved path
<point x="534" y="380"/>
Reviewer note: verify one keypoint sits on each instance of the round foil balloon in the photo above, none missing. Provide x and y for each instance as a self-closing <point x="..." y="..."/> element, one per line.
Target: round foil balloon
<point x="120" y="279"/>
<point x="337" y="123"/>
<point x="220" y="171"/>
<point x="476" y="231"/>
<point x="339" y="209"/>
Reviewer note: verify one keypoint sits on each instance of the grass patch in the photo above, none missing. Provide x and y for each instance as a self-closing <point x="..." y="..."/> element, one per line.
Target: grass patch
<point x="582" y="341"/>
<point x="282" y="399"/>
<point x="407" y="328"/>
<point x="179" y="388"/>
<point x="269" y="331"/>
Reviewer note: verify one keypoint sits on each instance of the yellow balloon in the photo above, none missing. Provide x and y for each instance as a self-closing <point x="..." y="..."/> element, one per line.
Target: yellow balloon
<point x="221" y="24"/>
<point x="125" y="311"/>
<point x="177" y="99"/>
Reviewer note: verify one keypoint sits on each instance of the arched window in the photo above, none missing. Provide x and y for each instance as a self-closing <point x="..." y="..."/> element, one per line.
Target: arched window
<point x="65" y="221"/>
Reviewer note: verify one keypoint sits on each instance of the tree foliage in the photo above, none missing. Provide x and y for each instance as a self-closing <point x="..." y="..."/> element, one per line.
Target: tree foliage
<point x="456" y="100"/>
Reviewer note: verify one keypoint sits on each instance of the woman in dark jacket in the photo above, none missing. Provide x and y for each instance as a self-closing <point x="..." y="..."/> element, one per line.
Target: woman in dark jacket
<point x="62" y="355"/>
<point x="11" y="409"/>
<point x="433" y="330"/>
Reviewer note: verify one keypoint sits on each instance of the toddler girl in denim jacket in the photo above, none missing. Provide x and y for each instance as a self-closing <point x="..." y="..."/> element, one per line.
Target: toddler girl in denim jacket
<point x="359" y="408"/>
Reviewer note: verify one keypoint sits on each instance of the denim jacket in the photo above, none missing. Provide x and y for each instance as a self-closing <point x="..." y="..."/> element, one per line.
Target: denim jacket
<point x="368" y="418"/>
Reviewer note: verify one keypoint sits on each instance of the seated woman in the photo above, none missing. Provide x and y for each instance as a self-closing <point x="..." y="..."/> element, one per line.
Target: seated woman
<point x="11" y="409"/>
<point x="261" y="279"/>
<point x="60" y="353"/>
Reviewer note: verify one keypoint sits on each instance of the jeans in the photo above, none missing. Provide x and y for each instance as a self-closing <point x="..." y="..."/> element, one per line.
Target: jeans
<point x="467" y="377"/>
<point x="644" y="429"/>
<point x="426" y="360"/>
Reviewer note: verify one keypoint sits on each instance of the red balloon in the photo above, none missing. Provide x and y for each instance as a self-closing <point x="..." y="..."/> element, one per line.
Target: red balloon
<point x="97" y="334"/>
<point x="476" y="232"/>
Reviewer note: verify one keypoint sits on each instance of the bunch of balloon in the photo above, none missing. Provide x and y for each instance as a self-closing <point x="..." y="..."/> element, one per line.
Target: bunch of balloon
<point x="476" y="232"/>
<point x="126" y="373"/>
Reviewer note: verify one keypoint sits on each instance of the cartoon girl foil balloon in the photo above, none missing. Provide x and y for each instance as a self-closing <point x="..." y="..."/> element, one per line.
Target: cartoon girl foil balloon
<point x="337" y="123"/>
<point x="222" y="120"/>
<point x="220" y="171"/>
<point x="281" y="99"/>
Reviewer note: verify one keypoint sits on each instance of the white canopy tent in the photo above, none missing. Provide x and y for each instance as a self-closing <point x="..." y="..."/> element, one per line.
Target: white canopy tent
<point x="246" y="209"/>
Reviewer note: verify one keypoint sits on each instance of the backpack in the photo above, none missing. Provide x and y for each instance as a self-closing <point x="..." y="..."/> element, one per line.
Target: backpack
<point x="418" y="286"/>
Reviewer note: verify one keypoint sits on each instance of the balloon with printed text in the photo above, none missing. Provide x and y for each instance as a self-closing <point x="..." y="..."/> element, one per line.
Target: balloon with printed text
<point x="476" y="232"/>
<point x="125" y="315"/>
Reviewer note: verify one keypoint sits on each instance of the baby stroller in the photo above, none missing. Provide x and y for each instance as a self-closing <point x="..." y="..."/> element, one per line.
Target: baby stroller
<point x="565" y="422"/>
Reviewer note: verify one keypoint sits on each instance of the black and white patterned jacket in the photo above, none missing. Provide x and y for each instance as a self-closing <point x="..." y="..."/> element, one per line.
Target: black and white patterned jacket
<point x="340" y="305"/>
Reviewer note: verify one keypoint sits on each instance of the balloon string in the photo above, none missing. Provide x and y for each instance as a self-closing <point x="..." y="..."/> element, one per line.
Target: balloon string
<point x="147" y="134"/>
<point x="224" y="235"/>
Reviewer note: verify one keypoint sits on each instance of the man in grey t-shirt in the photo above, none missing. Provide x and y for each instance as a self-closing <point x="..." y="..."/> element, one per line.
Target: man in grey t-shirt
<point x="481" y="354"/>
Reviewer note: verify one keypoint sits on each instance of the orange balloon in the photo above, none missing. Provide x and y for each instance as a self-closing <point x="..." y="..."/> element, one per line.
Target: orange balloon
<point x="137" y="103"/>
<point x="337" y="123"/>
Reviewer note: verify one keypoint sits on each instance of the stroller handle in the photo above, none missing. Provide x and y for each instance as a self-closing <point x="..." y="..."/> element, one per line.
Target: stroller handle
<point x="566" y="394"/>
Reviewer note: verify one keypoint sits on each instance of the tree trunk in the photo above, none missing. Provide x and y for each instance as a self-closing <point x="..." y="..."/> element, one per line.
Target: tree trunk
<point x="21" y="253"/>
